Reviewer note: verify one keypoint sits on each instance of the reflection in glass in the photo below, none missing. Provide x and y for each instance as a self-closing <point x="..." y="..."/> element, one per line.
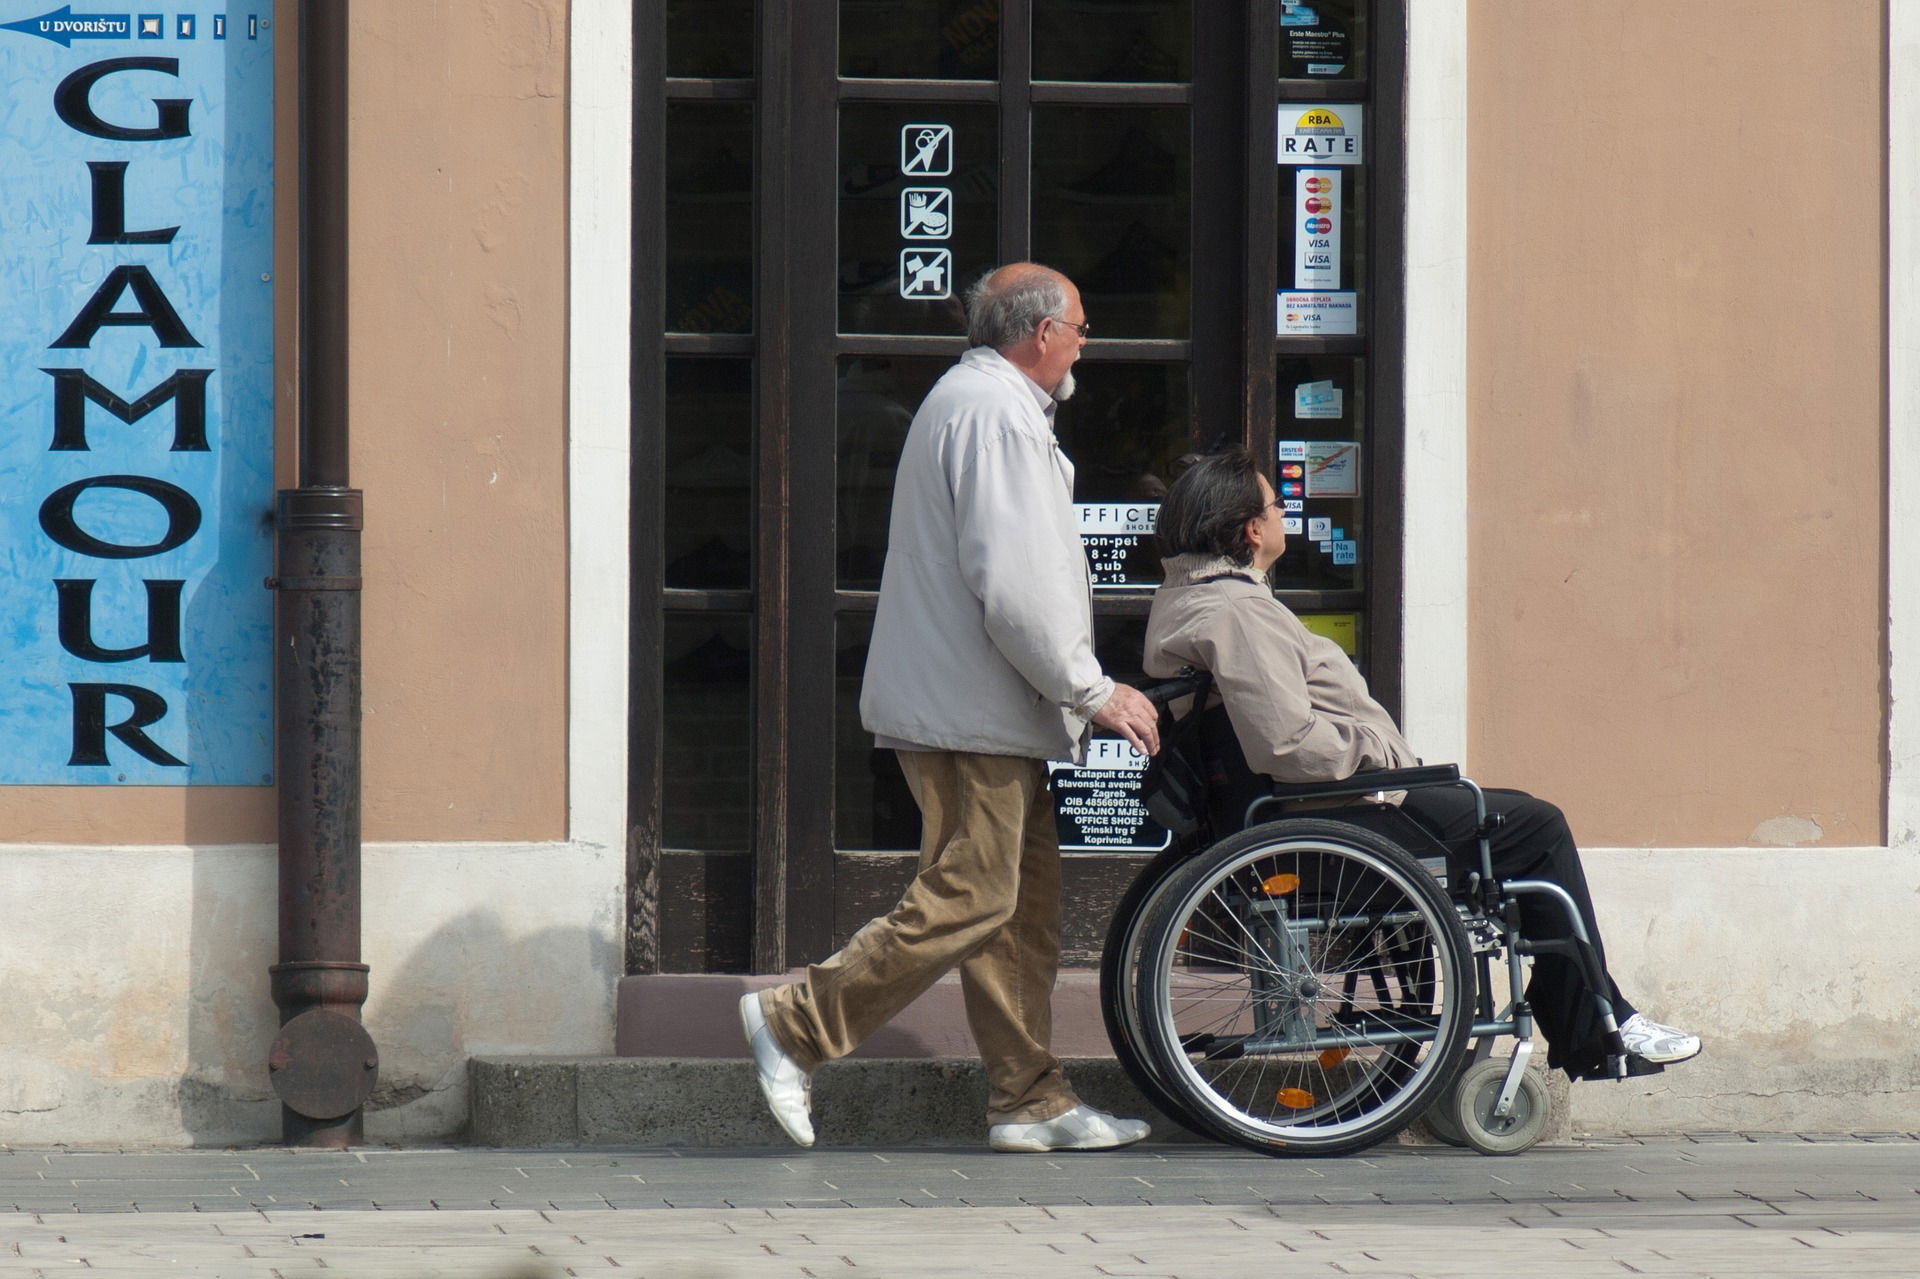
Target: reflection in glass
<point x="1323" y="234"/>
<point x="710" y="39"/>
<point x="1323" y="414"/>
<point x="1113" y="40"/>
<point x="709" y="217"/>
<point x="706" y="733"/>
<point x="918" y="215"/>
<point x="1125" y="429"/>
<point x="1120" y="643"/>
<point x="1110" y="208"/>
<point x="920" y="39"/>
<point x="1323" y="40"/>
<point x="875" y="400"/>
<point x="708" y="486"/>
<point x="872" y="809"/>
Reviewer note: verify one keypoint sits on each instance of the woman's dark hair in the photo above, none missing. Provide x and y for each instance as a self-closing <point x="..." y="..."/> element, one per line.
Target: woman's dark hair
<point x="1207" y="509"/>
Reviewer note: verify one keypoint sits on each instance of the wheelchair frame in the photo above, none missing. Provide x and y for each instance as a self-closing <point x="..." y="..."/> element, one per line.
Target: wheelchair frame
<point x="1438" y="935"/>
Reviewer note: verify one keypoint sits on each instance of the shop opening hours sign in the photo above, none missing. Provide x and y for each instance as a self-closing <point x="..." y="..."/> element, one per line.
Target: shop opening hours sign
<point x="1111" y="533"/>
<point x="136" y="390"/>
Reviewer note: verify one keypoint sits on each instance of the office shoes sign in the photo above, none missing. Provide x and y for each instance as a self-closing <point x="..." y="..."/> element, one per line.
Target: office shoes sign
<point x="136" y="397"/>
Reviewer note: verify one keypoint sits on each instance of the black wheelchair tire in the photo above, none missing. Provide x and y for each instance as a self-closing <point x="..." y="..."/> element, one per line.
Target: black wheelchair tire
<point x="1117" y="985"/>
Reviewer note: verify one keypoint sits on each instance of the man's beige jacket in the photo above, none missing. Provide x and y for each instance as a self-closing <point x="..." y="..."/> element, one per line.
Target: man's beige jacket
<point x="983" y="640"/>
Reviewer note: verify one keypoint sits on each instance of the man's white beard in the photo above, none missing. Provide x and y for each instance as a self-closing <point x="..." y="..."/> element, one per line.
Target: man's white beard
<point x="1064" y="392"/>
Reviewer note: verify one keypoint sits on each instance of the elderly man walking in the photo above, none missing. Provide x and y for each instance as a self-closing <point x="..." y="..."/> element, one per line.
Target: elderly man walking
<point x="980" y="671"/>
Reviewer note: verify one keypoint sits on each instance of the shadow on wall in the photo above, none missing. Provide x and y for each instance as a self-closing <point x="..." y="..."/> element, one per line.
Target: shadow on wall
<point x="474" y="987"/>
<point x="224" y="1096"/>
<point x="467" y="985"/>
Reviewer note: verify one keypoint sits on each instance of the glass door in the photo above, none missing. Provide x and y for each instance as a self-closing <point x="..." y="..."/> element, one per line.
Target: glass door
<point x="820" y="196"/>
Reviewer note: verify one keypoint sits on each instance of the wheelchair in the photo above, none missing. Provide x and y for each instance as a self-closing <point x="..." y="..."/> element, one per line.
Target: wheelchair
<point x="1317" y="979"/>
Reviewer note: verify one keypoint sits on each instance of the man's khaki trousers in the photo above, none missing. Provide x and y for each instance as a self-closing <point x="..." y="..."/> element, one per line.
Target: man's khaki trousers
<point x="987" y="898"/>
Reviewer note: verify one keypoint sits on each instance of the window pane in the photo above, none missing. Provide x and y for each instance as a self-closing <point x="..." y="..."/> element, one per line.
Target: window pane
<point x="1323" y="40"/>
<point x="1111" y="209"/>
<point x="708" y="488"/>
<point x="1121" y="644"/>
<point x="706" y="796"/>
<point x="920" y="39"/>
<point x="709" y="217"/>
<point x="918" y="217"/>
<point x="876" y="400"/>
<point x="873" y="809"/>
<point x="1323" y="244"/>
<point x="1322" y="435"/>
<point x="1348" y="630"/>
<point x="1124" y="428"/>
<point x="710" y="39"/>
<point x="1113" y="40"/>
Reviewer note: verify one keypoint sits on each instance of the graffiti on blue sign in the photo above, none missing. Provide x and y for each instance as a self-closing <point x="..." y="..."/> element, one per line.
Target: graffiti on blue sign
<point x="136" y="394"/>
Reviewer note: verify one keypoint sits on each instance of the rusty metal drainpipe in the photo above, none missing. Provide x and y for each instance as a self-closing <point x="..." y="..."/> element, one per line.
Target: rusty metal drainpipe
<point x="323" y="1064"/>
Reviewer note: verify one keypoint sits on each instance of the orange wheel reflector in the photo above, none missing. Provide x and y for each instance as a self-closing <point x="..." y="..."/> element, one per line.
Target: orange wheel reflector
<point x="1294" y="1098"/>
<point x="1182" y="943"/>
<point x="1279" y="885"/>
<point x="1333" y="1057"/>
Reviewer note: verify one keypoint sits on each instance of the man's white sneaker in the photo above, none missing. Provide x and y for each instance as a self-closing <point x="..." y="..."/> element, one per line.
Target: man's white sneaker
<point x="1082" y="1128"/>
<point x="787" y="1088"/>
<point x="1657" y="1043"/>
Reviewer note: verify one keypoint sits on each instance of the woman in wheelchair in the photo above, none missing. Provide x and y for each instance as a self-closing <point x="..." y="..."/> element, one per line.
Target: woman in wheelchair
<point x="1302" y="713"/>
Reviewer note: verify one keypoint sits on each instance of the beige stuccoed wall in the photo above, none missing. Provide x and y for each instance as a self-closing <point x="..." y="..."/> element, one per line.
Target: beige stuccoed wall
<point x="1675" y="413"/>
<point x="459" y="285"/>
<point x="458" y="353"/>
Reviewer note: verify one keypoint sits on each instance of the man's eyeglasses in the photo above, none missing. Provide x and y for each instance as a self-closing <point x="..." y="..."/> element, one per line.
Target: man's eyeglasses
<point x="1083" y="329"/>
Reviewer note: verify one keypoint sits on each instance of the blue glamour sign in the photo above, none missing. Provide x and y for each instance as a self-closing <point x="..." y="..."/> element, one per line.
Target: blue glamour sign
<point x="136" y="396"/>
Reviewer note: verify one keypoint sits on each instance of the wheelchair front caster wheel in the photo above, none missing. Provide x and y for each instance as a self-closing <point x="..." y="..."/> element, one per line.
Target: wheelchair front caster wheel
<point x="1479" y="1092"/>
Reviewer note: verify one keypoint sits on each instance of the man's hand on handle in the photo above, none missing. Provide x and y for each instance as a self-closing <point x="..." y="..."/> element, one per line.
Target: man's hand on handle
<point x="1130" y="714"/>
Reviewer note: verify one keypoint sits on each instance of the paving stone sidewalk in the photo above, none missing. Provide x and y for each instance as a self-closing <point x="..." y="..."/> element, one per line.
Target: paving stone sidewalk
<point x="1712" y="1204"/>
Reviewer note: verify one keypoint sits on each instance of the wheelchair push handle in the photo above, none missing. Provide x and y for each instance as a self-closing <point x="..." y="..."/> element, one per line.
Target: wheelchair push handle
<point x="1185" y="684"/>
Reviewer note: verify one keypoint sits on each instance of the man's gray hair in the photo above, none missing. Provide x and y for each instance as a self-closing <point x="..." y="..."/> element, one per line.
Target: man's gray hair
<point x="1000" y="317"/>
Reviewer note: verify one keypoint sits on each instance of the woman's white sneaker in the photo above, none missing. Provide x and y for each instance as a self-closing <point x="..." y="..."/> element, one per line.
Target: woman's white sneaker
<point x="1082" y="1128"/>
<point x="1654" y="1042"/>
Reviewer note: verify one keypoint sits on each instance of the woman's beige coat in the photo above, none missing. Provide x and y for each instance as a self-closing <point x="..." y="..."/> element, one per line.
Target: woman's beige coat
<point x="1300" y="709"/>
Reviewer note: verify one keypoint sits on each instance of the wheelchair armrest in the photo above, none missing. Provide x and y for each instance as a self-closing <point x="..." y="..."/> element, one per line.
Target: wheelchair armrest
<point x="1368" y="783"/>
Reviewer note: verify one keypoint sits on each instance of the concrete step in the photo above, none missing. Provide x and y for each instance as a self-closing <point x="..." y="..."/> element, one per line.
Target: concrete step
<point x="698" y="1015"/>
<point x="714" y="1102"/>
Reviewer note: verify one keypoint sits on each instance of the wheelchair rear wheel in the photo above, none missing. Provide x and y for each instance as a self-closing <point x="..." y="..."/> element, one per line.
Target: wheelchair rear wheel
<point x="1305" y="988"/>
